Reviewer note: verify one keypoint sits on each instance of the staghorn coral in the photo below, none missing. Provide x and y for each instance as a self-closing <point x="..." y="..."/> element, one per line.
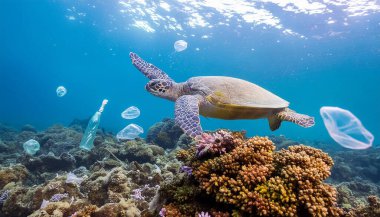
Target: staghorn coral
<point x="247" y="174"/>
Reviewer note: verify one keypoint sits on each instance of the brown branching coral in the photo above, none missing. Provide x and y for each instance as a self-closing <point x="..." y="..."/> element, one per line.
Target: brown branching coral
<point x="274" y="195"/>
<point x="302" y="163"/>
<point x="171" y="211"/>
<point x="248" y="175"/>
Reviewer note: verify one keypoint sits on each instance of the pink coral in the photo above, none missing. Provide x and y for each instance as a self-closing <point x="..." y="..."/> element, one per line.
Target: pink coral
<point x="204" y="214"/>
<point x="214" y="143"/>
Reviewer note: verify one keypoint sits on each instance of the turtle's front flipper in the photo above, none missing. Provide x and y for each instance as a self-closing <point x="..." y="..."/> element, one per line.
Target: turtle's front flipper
<point x="292" y="116"/>
<point x="148" y="69"/>
<point x="187" y="115"/>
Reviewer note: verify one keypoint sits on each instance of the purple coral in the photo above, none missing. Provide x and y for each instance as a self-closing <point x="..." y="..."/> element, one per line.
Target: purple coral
<point x="204" y="214"/>
<point x="214" y="143"/>
<point x="4" y="196"/>
<point x="58" y="197"/>
<point x="162" y="212"/>
<point x="137" y="194"/>
<point x="186" y="169"/>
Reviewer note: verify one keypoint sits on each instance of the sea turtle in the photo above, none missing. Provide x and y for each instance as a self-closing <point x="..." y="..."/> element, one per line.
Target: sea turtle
<point x="218" y="97"/>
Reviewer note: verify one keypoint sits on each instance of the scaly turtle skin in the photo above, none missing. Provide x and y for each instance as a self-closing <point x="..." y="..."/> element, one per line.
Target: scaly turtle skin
<point x="218" y="97"/>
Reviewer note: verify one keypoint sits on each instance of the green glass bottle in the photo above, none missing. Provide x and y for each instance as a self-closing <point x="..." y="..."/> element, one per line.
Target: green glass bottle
<point x="89" y="135"/>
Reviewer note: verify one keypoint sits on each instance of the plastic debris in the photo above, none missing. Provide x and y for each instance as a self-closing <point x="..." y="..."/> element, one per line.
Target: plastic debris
<point x="132" y="131"/>
<point x="180" y="45"/>
<point x="31" y="146"/>
<point x="157" y="169"/>
<point x="72" y="178"/>
<point x="87" y="142"/>
<point x="44" y="203"/>
<point x="131" y="113"/>
<point x="345" y="128"/>
<point x="61" y="91"/>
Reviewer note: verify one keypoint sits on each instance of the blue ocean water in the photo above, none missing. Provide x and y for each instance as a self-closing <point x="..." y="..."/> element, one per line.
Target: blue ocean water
<point x="312" y="54"/>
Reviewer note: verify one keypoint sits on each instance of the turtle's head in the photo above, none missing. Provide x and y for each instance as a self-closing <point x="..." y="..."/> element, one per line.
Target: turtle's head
<point x="163" y="88"/>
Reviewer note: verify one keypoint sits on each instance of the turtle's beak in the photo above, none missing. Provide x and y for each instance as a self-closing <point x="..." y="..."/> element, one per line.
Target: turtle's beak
<point x="147" y="87"/>
<point x="151" y="87"/>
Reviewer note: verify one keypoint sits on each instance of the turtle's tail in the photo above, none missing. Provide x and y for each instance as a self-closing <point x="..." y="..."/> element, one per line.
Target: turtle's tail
<point x="291" y="116"/>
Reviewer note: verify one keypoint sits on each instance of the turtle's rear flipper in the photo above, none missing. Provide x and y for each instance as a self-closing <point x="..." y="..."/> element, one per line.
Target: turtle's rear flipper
<point x="274" y="122"/>
<point x="291" y="116"/>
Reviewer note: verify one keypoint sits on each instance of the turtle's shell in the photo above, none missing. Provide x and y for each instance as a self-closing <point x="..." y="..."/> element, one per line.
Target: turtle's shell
<point x="233" y="92"/>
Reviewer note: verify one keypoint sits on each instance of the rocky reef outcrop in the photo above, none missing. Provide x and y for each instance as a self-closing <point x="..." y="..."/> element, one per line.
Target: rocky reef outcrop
<point x="113" y="179"/>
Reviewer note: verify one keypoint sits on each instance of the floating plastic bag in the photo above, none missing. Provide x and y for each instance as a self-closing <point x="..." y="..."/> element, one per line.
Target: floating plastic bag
<point x="130" y="113"/>
<point x="31" y="146"/>
<point x="132" y="131"/>
<point x="87" y="142"/>
<point x="61" y="91"/>
<point x="345" y="128"/>
<point x="180" y="45"/>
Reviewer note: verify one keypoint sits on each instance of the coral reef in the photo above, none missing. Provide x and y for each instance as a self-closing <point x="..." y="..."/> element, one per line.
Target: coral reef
<point x="370" y="210"/>
<point x="250" y="177"/>
<point x="354" y="194"/>
<point x="16" y="174"/>
<point x="220" y="174"/>
<point x="350" y="165"/>
<point x="114" y="179"/>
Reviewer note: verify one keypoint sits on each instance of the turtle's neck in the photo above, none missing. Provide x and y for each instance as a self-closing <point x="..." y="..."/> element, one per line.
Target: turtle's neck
<point x="178" y="90"/>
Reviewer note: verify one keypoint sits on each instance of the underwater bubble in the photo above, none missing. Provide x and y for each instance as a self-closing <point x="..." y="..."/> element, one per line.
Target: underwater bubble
<point x="345" y="128"/>
<point x="132" y="131"/>
<point x="180" y="45"/>
<point x="130" y="113"/>
<point x="31" y="146"/>
<point x="61" y="91"/>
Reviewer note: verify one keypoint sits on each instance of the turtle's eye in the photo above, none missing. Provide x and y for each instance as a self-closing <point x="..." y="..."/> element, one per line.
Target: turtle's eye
<point x="158" y="86"/>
